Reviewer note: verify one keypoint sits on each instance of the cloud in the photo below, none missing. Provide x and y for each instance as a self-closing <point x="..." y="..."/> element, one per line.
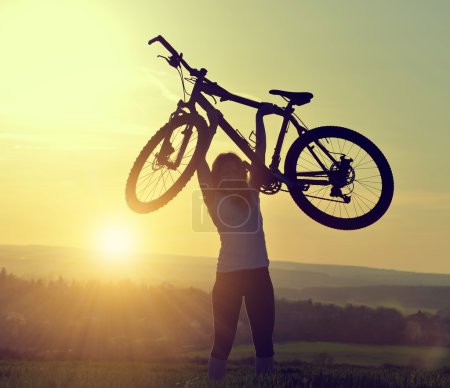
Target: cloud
<point x="158" y="78"/>
<point x="52" y="142"/>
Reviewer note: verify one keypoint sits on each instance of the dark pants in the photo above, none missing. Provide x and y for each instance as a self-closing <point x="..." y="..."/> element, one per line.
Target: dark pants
<point x="229" y="289"/>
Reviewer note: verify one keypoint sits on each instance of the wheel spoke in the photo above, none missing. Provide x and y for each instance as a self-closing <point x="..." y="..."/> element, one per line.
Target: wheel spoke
<point x="311" y="163"/>
<point x="361" y="162"/>
<point x="150" y="194"/>
<point x="370" y="177"/>
<point x="345" y="208"/>
<point x="367" y="186"/>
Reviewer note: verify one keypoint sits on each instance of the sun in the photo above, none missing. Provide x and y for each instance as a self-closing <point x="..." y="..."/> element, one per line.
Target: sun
<point x="116" y="243"/>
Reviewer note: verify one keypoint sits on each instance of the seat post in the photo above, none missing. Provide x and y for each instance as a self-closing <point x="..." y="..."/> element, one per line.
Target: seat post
<point x="276" y="158"/>
<point x="289" y="109"/>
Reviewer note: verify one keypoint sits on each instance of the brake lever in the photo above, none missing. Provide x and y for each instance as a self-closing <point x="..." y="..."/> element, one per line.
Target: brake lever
<point x="173" y="60"/>
<point x="162" y="56"/>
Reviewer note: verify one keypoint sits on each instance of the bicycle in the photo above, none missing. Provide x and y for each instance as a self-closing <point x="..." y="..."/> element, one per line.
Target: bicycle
<point x="335" y="175"/>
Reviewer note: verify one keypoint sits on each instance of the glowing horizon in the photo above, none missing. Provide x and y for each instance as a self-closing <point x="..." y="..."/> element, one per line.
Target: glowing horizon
<point x="82" y="93"/>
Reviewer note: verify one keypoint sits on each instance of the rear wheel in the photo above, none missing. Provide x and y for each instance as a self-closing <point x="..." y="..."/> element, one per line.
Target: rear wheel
<point x="342" y="179"/>
<point x="166" y="163"/>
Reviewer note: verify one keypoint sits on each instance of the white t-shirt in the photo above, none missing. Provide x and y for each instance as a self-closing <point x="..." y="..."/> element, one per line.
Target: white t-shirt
<point x="243" y="245"/>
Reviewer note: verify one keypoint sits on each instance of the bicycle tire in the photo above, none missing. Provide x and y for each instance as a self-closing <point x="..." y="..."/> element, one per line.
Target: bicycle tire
<point x="310" y="204"/>
<point x="135" y="200"/>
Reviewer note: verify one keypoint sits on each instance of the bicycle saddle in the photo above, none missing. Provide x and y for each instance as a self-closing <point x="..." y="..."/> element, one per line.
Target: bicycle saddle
<point x="297" y="98"/>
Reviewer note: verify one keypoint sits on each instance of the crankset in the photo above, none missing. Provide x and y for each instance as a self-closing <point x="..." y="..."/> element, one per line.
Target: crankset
<point x="270" y="188"/>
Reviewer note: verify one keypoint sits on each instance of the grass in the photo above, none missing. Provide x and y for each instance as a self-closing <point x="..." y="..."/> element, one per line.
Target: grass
<point x="354" y="354"/>
<point x="322" y="365"/>
<point x="55" y="374"/>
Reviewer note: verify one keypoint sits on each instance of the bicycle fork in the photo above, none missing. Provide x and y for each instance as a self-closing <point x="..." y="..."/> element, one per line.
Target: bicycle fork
<point x="163" y="156"/>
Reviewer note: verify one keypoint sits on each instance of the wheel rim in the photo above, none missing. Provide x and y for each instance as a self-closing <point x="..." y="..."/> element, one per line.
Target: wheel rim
<point x="361" y="182"/>
<point x="156" y="177"/>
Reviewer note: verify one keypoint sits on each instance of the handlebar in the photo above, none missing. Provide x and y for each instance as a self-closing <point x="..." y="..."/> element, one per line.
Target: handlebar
<point x="176" y="58"/>
<point x="165" y="43"/>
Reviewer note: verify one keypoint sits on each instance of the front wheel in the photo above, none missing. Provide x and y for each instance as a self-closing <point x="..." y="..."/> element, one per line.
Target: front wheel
<point x="166" y="163"/>
<point x="339" y="178"/>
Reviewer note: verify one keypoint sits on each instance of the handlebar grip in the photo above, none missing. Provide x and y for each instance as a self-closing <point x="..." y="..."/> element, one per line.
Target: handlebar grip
<point x="169" y="48"/>
<point x="165" y="43"/>
<point x="155" y="39"/>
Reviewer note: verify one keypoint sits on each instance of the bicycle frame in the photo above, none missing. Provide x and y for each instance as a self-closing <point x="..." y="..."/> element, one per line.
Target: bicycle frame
<point x="204" y="86"/>
<point x="216" y="119"/>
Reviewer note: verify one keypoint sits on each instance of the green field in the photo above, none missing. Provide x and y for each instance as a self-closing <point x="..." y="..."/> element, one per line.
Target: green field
<point x="298" y="364"/>
<point x="55" y="374"/>
<point x="354" y="354"/>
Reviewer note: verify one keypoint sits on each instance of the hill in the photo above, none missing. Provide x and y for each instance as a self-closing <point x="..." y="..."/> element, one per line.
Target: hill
<point x="329" y="283"/>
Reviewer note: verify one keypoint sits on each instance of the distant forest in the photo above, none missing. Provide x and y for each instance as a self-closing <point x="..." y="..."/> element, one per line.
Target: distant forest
<point x="124" y="320"/>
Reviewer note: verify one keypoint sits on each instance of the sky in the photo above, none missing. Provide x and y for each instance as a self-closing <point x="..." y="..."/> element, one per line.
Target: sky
<point x="81" y="93"/>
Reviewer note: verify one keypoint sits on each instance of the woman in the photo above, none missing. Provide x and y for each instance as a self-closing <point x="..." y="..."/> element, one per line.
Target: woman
<point x="242" y="270"/>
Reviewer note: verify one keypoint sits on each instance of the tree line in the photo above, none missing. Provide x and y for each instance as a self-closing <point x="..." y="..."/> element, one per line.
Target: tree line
<point x="126" y="320"/>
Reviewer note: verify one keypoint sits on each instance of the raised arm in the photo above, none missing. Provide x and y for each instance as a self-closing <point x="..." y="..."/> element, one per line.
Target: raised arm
<point x="205" y="180"/>
<point x="260" y="146"/>
<point x="204" y="173"/>
<point x="260" y="143"/>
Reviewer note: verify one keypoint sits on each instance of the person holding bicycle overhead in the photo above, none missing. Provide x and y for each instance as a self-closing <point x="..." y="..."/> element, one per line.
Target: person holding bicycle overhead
<point x="232" y="199"/>
<point x="335" y="175"/>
